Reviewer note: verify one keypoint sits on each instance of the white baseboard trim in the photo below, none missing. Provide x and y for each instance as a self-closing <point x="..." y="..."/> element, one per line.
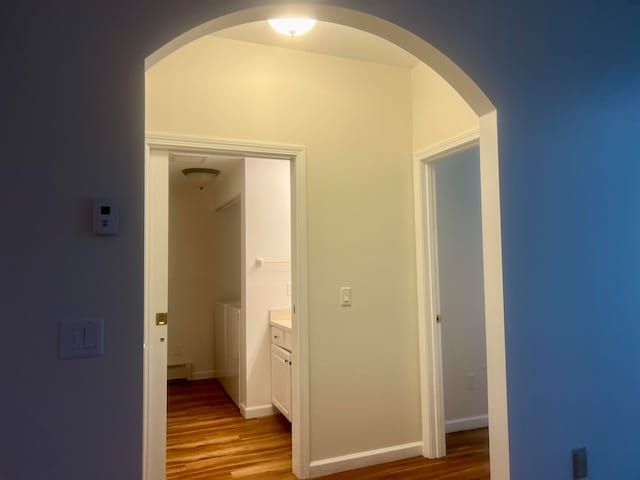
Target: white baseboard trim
<point x="329" y="466"/>
<point x="256" y="412"/>
<point x="203" y="375"/>
<point x="468" y="423"/>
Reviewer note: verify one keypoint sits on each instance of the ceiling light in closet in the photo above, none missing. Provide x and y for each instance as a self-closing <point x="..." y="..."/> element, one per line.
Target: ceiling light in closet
<point x="201" y="177"/>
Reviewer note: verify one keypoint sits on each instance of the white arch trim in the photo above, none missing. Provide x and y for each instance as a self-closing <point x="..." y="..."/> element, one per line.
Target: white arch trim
<point x="490" y="197"/>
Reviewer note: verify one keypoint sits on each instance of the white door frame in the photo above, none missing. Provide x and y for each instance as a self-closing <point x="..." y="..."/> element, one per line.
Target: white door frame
<point x="433" y="415"/>
<point x="433" y="420"/>
<point x="300" y="351"/>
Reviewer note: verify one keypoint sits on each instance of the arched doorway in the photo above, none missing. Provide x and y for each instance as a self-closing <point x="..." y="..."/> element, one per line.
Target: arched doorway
<point x="492" y="257"/>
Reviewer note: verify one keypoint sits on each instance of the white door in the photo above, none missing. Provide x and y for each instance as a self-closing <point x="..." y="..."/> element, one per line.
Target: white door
<point x="460" y="288"/>
<point x="156" y="295"/>
<point x="281" y="380"/>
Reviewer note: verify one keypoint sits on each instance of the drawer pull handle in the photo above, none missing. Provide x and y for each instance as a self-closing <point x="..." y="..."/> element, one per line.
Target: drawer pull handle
<point x="276" y="336"/>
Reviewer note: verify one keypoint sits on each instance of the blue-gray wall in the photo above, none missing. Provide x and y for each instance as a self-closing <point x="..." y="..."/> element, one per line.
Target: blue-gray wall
<point x="565" y="78"/>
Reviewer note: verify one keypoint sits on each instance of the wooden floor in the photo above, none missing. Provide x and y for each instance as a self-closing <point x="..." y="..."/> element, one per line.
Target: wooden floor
<point x="207" y="438"/>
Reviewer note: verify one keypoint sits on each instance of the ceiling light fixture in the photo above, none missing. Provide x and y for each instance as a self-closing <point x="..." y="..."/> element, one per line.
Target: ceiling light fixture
<point x="292" y="26"/>
<point x="201" y="177"/>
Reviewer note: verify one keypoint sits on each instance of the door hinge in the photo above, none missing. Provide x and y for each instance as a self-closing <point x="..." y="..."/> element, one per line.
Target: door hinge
<point x="161" y="318"/>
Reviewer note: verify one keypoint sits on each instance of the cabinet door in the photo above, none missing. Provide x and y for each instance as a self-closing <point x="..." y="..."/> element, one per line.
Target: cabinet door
<point x="281" y="380"/>
<point x="232" y="349"/>
<point x="220" y="340"/>
<point x="233" y="340"/>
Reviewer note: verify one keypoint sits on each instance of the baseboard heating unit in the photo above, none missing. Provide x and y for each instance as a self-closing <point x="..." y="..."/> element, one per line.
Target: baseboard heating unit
<point x="179" y="371"/>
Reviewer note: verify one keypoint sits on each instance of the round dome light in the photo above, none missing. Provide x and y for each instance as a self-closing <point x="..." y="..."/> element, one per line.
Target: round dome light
<point x="292" y="26"/>
<point x="200" y="177"/>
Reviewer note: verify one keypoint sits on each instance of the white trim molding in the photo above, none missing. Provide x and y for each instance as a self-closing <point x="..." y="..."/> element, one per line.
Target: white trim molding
<point x="448" y="146"/>
<point x="203" y="375"/>
<point x="468" y="423"/>
<point x="218" y="145"/>
<point x="494" y="298"/>
<point x="257" y="411"/>
<point x="343" y="463"/>
<point x="297" y="155"/>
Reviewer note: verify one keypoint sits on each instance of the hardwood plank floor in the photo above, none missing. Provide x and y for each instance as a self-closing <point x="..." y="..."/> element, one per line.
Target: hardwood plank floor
<point x="207" y="438"/>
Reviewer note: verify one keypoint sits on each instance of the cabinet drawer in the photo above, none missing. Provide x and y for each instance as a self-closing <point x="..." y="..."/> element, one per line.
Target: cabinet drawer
<point x="277" y="336"/>
<point x="281" y="337"/>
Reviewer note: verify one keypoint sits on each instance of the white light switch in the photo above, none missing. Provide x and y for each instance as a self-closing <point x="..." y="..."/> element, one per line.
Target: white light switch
<point x="81" y="339"/>
<point x="345" y="296"/>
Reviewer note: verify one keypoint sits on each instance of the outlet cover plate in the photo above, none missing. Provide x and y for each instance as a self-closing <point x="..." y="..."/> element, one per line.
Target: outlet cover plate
<point x="579" y="463"/>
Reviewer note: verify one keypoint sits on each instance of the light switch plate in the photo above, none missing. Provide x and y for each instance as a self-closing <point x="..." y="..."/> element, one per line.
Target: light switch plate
<point x="81" y="339"/>
<point x="345" y="296"/>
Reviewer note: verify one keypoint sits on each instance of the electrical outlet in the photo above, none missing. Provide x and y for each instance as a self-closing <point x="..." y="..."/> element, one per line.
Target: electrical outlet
<point x="471" y="381"/>
<point x="579" y="463"/>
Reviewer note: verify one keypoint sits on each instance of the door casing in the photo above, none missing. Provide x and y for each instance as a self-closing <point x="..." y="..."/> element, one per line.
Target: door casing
<point x="156" y="261"/>
<point x="430" y="335"/>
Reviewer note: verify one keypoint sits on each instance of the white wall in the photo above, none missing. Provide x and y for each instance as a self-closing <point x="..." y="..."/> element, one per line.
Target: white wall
<point x="355" y="120"/>
<point x="459" y="224"/>
<point x="267" y="235"/>
<point x="439" y="112"/>
<point x="191" y="277"/>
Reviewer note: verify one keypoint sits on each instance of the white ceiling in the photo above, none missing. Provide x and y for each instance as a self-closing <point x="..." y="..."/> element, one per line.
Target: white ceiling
<point x="329" y="39"/>
<point x="325" y="38"/>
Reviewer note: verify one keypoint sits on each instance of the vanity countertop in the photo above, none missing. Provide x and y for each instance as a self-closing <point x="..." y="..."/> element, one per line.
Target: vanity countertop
<point x="280" y="317"/>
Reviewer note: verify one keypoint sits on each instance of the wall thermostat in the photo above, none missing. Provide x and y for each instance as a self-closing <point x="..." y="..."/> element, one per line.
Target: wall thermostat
<point x="105" y="217"/>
